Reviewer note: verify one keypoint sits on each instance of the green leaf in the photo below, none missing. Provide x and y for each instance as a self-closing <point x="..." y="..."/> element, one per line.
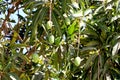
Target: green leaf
<point x="13" y="76"/>
<point x="64" y="5"/>
<point x="24" y="57"/>
<point x="55" y="59"/>
<point x="7" y="66"/>
<point x="90" y="61"/>
<point x="90" y="30"/>
<point x="24" y="76"/>
<point x="14" y="38"/>
<point x="12" y="46"/>
<point x="2" y="55"/>
<point x="71" y="28"/>
<point x="56" y="11"/>
<point x="57" y="41"/>
<point x="115" y="70"/>
<point x="82" y="4"/>
<point x="1" y="66"/>
<point x="88" y="49"/>
<point x="56" y="24"/>
<point x="92" y="43"/>
<point x="37" y="19"/>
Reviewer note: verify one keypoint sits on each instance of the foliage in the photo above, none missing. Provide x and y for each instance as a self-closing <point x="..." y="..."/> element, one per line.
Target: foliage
<point x="60" y="40"/>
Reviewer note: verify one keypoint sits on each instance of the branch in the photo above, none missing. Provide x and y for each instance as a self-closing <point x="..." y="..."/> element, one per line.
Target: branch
<point x="10" y="11"/>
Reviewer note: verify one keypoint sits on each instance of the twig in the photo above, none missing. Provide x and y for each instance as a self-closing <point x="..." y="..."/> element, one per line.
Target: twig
<point x="50" y="10"/>
<point x="10" y="11"/>
<point x="98" y="64"/>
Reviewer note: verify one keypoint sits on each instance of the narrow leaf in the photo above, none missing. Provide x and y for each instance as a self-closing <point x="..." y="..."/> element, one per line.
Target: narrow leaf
<point x="71" y="28"/>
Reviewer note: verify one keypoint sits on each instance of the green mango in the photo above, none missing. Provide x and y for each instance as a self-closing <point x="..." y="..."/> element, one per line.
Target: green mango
<point x="77" y="61"/>
<point x="49" y="24"/>
<point x="51" y="39"/>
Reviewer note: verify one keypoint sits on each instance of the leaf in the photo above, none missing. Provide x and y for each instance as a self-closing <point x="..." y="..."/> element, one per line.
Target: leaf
<point x="104" y="70"/>
<point x="38" y="3"/>
<point x="71" y="28"/>
<point x="12" y="46"/>
<point x="24" y="57"/>
<point x="118" y="6"/>
<point x="90" y="60"/>
<point x="59" y="13"/>
<point x="37" y="76"/>
<point x="103" y="34"/>
<point x="98" y="10"/>
<point x="13" y="21"/>
<point x="14" y="38"/>
<point x="37" y="19"/>
<point x="64" y="4"/>
<point x="56" y="24"/>
<point x="111" y="38"/>
<point x="57" y="41"/>
<point x="115" y="70"/>
<point x="2" y="53"/>
<point x="87" y="12"/>
<point x="92" y="43"/>
<point x="13" y="76"/>
<point x="115" y="18"/>
<point x="90" y="30"/>
<point x="95" y="76"/>
<point x="55" y="59"/>
<point x="5" y="77"/>
<point x="82" y="4"/>
<point x="7" y="66"/>
<point x="24" y="76"/>
<point x="77" y="14"/>
<point x="75" y="5"/>
<point x="116" y="48"/>
<point x="88" y="48"/>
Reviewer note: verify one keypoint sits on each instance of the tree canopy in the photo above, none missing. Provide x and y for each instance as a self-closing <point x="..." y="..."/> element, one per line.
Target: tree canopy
<point x="60" y="39"/>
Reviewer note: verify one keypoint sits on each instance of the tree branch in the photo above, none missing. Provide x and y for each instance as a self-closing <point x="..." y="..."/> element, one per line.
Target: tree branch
<point x="10" y="11"/>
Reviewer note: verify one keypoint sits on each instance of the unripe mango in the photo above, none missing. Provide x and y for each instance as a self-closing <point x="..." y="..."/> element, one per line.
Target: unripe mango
<point x="51" y="39"/>
<point x="77" y="61"/>
<point x="49" y="24"/>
